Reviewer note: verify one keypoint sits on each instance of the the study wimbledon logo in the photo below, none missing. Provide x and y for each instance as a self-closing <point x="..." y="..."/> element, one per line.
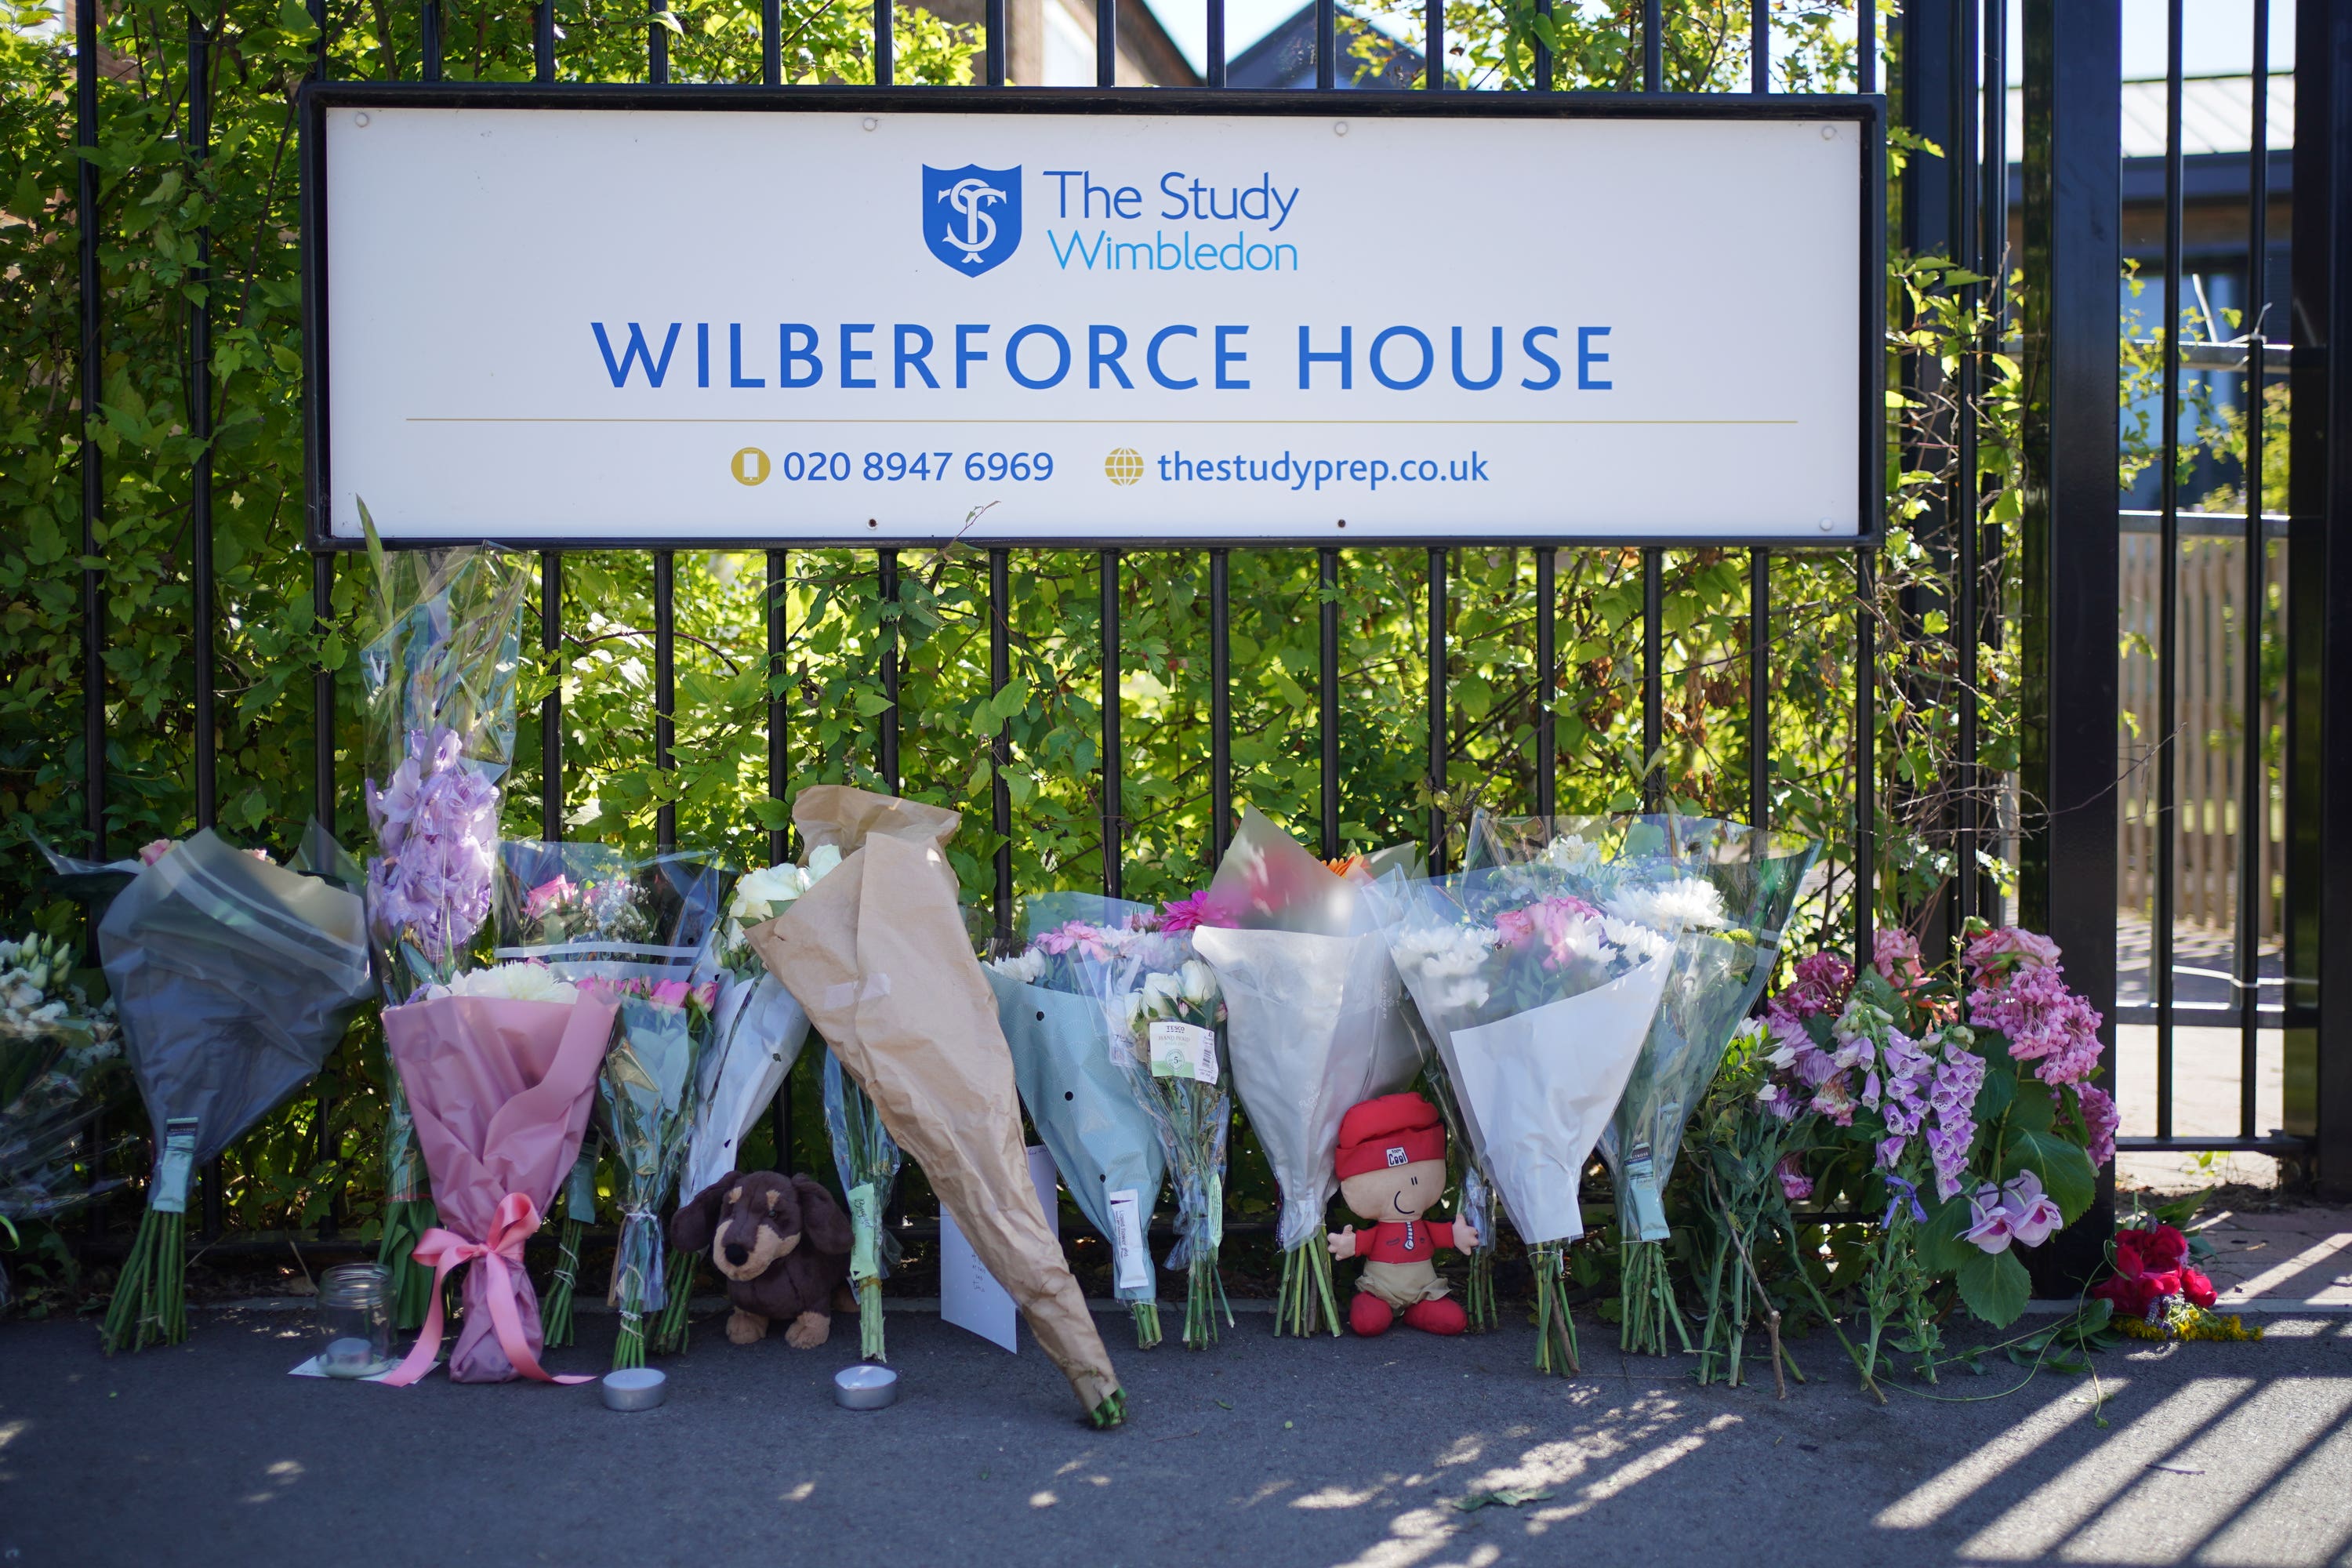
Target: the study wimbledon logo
<point x="972" y="215"/>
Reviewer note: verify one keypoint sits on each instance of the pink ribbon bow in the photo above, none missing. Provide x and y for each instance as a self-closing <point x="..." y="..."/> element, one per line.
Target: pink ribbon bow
<point x="510" y="1225"/>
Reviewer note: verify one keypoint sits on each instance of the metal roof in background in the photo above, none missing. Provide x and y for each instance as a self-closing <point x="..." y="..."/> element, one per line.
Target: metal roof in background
<point x="2217" y="115"/>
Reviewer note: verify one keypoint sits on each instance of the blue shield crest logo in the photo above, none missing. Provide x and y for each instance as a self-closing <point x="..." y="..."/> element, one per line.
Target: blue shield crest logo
<point x="972" y="215"/>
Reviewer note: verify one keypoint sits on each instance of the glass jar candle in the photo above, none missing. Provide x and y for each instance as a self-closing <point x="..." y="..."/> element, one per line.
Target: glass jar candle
<point x="352" y="1329"/>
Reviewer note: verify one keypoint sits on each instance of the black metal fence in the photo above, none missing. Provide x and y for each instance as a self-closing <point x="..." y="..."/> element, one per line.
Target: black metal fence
<point x="1952" y="90"/>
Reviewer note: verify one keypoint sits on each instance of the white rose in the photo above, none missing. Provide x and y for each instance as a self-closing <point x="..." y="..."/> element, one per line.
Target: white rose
<point x="1197" y="983"/>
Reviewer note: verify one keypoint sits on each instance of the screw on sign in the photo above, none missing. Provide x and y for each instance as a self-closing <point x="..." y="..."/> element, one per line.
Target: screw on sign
<point x="1124" y="466"/>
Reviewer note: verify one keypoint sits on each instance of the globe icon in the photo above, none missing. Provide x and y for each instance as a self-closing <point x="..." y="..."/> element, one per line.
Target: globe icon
<point x="1124" y="466"/>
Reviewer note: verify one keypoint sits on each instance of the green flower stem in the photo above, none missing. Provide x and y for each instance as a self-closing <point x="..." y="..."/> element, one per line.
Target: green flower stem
<point x="1478" y="1293"/>
<point x="555" y="1321"/>
<point x="629" y="1350"/>
<point x="1306" y="1305"/>
<point x="1555" y="1328"/>
<point x="405" y="1221"/>
<point x="671" y="1329"/>
<point x="1147" y="1323"/>
<point x="1646" y="1299"/>
<point x="1112" y="1411"/>
<point x="151" y="1296"/>
<point x="870" y="1318"/>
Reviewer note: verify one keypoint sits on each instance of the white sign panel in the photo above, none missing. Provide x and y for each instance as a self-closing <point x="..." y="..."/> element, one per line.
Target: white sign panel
<point x="657" y="325"/>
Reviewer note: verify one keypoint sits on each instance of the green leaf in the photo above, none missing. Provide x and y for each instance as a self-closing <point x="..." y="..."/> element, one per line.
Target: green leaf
<point x="869" y="703"/>
<point x="2064" y="1169"/>
<point x="2034" y="1109"/>
<point x="1940" y="1247"/>
<point x="1995" y="1287"/>
<point x="772" y="814"/>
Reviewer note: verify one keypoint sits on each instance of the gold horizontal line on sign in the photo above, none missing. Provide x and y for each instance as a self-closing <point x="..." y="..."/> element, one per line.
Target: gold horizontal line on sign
<point x="1131" y="423"/>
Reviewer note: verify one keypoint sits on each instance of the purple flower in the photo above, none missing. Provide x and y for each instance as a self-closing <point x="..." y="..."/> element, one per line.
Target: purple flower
<point x="1795" y="1185"/>
<point x="2044" y="1020"/>
<point x="2100" y="1120"/>
<point x="2018" y="1210"/>
<point x="1947" y="1148"/>
<point x="1890" y="1151"/>
<point x="436" y="826"/>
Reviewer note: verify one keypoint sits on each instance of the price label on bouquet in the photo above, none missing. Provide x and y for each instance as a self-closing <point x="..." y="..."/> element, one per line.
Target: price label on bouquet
<point x="864" y="1232"/>
<point x="1183" y="1050"/>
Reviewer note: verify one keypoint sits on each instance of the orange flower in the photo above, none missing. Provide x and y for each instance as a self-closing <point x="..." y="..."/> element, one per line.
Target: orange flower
<point x="1345" y="864"/>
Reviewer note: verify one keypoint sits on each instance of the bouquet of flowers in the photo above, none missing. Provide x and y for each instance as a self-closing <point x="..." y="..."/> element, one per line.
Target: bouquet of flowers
<point x="865" y="1158"/>
<point x="757" y="1031"/>
<point x="1315" y="1022"/>
<point x="1167" y="1023"/>
<point x="1538" y="1002"/>
<point x="58" y="1054"/>
<point x="2156" y="1293"/>
<point x="640" y="933"/>
<point x="233" y="979"/>
<point x="878" y="953"/>
<point x="500" y="1069"/>
<point x="1937" y="1092"/>
<point x="440" y="680"/>
<point x="1730" y="888"/>
<point x="1049" y="1002"/>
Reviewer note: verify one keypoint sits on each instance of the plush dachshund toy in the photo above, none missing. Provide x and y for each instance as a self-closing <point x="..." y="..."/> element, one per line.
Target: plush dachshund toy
<point x="782" y="1246"/>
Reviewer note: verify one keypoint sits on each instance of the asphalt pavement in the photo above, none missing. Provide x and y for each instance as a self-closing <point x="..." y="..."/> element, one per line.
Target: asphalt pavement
<point x="1260" y="1450"/>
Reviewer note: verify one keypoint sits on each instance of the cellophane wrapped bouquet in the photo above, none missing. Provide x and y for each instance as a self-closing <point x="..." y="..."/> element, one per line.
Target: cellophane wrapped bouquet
<point x="1315" y="1022"/>
<point x="1049" y="1002"/>
<point x="1167" y="1024"/>
<point x="757" y="1030"/>
<point x="59" y="1056"/>
<point x="639" y="933"/>
<point x="1730" y="889"/>
<point x="440" y="676"/>
<point x="866" y="1159"/>
<point x="232" y="978"/>
<point x="1538" y="1002"/>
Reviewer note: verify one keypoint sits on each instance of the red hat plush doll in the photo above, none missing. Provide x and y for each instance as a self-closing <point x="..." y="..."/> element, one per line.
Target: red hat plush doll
<point x="1391" y="1167"/>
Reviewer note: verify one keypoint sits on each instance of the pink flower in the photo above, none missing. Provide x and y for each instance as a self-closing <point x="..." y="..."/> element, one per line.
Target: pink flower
<point x="2006" y="951"/>
<point x="1993" y="1230"/>
<point x="552" y="894"/>
<point x="1074" y="935"/>
<point x="1199" y="910"/>
<point x="2044" y="1021"/>
<point x="1820" y="988"/>
<point x="669" y="992"/>
<point x="1795" y="1185"/>
<point x="1890" y="1150"/>
<point x="1894" y="954"/>
<point x="1832" y="1102"/>
<point x="155" y="850"/>
<point x="1566" y="928"/>
<point x="2018" y="1210"/>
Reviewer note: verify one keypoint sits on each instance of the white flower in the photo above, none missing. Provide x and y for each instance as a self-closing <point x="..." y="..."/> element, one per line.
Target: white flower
<point x="1160" y="993"/>
<point x="1638" y="943"/>
<point x="1452" y="958"/>
<point x="524" y="981"/>
<point x="759" y="895"/>
<point x="1197" y="983"/>
<point x="1570" y="854"/>
<point x="1025" y="967"/>
<point x="821" y="859"/>
<point x="1686" y="901"/>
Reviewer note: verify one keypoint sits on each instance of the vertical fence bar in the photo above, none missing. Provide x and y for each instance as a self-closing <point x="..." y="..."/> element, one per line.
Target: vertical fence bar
<point x="200" y="491"/>
<point x="1654" y="676"/>
<point x="657" y="44"/>
<point x="430" y="39"/>
<point x="1759" y="46"/>
<point x="1654" y="47"/>
<point x="778" y="603"/>
<point x="997" y="34"/>
<point x="1865" y="756"/>
<point x="1220" y="707"/>
<point x="551" y="707"/>
<point x="1437" y="747"/>
<point x="1759" y="689"/>
<point x="2318" y="1093"/>
<point x="542" y="41"/>
<point x="1433" y="57"/>
<point x="1113" y="839"/>
<point x="1546" y="680"/>
<point x="1326" y="45"/>
<point x="1326" y="694"/>
<point x="885" y="53"/>
<point x="2253" y="797"/>
<point x="2068" y="611"/>
<point x="1973" y="95"/>
<point x="1106" y="42"/>
<point x="1543" y="49"/>
<point x="885" y="563"/>
<point x="665" y="689"/>
<point x="2168" y="617"/>
<point x="999" y="675"/>
<point x="772" y="74"/>
<point x="1865" y="44"/>
<point x="93" y="390"/>
<point x="1214" y="76"/>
